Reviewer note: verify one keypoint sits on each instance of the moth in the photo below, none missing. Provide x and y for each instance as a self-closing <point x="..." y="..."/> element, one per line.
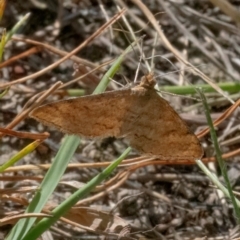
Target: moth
<point x="138" y="114"/>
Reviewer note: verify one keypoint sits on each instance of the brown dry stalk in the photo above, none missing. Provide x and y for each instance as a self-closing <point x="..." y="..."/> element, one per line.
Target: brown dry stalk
<point x="77" y="49"/>
<point x="176" y="53"/>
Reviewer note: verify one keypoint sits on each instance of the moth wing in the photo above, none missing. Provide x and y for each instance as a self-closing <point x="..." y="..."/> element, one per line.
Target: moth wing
<point x="99" y="115"/>
<point x="160" y="131"/>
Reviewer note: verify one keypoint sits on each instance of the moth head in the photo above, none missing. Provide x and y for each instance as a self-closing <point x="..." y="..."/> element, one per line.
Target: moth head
<point x="148" y="81"/>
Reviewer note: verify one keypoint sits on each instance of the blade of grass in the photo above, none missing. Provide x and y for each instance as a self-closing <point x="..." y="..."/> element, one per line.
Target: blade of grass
<point x="219" y="154"/>
<point x="25" y="151"/>
<point x="110" y="73"/>
<point x="190" y="89"/>
<point x="76" y="92"/>
<point x="215" y="180"/>
<point x="45" y="223"/>
<point x="17" y="27"/>
<point x="229" y="87"/>
<point x="47" y="186"/>
<point x="59" y="165"/>
<point x="4" y="93"/>
<point x="5" y="37"/>
<point x="2" y="43"/>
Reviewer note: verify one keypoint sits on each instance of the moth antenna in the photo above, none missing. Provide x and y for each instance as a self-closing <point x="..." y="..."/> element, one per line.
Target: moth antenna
<point x="175" y="71"/>
<point x="134" y="39"/>
<point x="178" y="95"/>
<point x="153" y="52"/>
<point x="105" y="14"/>
<point x="137" y="70"/>
<point x="118" y="83"/>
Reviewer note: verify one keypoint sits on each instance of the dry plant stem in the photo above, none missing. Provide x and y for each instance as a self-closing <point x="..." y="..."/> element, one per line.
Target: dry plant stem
<point x="139" y="161"/>
<point x="101" y="5"/>
<point x="152" y="64"/>
<point x="74" y="58"/>
<point x="225" y="59"/>
<point x="134" y="162"/>
<point x="85" y="43"/>
<point x="24" y="134"/>
<point x="13" y="219"/>
<point x="228" y="9"/>
<point x="116" y="181"/>
<point x="111" y="181"/>
<point x="19" y="178"/>
<point x="143" y="25"/>
<point x="60" y="232"/>
<point x="55" y="50"/>
<point x="18" y="190"/>
<point x="26" y="111"/>
<point x="176" y="53"/>
<point x="25" y="54"/>
<point x="106" y="191"/>
<point x="194" y="40"/>
<point x="156" y="195"/>
<point x="217" y="23"/>
<point x="86" y="74"/>
<point x="122" y="200"/>
<point x="88" y="229"/>
<point x="146" y="177"/>
<point x="223" y="116"/>
<point x="135" y="39"/>
<point x="127" y="172"/>
<point x="59" y="85"/>
<point x="122" y="177"/>
<point x="2" y="7"/>
<point x="8" y="198"/>
<point x="40" y="97"/>
<point x="47" y="166"/>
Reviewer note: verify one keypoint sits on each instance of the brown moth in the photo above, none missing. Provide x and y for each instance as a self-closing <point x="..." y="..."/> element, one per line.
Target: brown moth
<point x="139" y="114"/>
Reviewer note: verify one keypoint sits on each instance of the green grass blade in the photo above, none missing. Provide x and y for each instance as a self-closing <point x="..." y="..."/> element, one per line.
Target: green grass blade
<point x="47" y="186"/>
<point x="59" y="165"/>
<point x="45" y="223"/>
<point x="110" y="73"/>
<point x="100" y="88"/>
<point x="219" y="155"/>
<point x="25" y="151"/>
<point x="2" y="43"/>
<point x="215" y="180"/>
<point x="4" y="93"/>
<point x="17" y="27"/>
<point x="231" y="87"/>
